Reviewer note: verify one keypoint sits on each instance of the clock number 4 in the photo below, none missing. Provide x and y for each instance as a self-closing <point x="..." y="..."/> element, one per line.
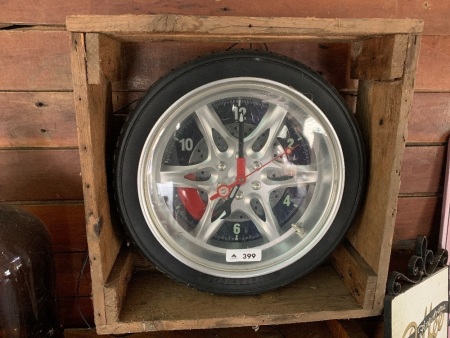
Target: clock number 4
<point x="287" y="200"/>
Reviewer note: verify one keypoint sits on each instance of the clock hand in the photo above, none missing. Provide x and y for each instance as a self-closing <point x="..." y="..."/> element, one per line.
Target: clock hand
<point x="287" y="151"/>
<point x="241" y="135"/>
<point x="240" y="161"/>
<point x="224" y="190"/>
<point x="229" y="191"/>
<point x="224" y="210"/>
<point x="240" y="170"/>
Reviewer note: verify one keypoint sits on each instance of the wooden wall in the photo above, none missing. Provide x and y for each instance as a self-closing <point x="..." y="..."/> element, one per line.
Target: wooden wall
<point x="39" y="165"/>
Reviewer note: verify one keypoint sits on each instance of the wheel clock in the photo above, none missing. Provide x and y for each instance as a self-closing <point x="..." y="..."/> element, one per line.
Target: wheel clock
<point x="239" y="172"/>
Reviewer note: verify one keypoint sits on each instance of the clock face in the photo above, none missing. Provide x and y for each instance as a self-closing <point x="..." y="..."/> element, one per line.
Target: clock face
<point x="204" y="198"/>
<point x="237" y="179"/>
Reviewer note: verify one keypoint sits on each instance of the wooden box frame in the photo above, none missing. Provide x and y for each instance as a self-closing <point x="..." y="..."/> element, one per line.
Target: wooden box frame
<point x="384" y="59"/>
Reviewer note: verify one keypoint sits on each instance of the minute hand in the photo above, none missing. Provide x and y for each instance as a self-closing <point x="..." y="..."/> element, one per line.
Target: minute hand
<point x="229" y="191"/>
<point x="240" y="169"/>
<point x="287" y="151"/>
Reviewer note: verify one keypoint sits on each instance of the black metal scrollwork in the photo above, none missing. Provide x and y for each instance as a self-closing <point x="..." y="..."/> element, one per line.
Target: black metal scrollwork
<point x="420" y="265"/>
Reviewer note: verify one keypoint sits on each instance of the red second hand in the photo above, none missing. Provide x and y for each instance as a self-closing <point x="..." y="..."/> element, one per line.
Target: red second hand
<point x="288" y="151"/>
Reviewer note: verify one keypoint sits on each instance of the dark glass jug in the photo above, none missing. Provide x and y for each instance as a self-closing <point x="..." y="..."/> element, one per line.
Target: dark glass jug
<point x="28" y="303"/>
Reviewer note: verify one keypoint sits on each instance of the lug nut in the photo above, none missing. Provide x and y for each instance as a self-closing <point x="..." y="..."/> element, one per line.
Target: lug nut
<point x="221" y="166"/>
<point x="256" y="165"/>
<point x="239" y="195"/>
<point x="256" y="185"/>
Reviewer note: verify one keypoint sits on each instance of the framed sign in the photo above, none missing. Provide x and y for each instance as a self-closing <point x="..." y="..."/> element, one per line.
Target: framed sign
<point x="444" y="239"/>
<point x="444" y="233"/>
<point x="421" y="310"/>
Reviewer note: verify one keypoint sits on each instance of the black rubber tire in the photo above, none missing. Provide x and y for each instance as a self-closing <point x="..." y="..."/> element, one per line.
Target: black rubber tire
<point x="200" y="72"/>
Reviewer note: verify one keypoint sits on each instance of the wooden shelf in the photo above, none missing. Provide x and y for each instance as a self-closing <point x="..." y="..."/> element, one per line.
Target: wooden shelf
<point x="384" y="58"/>
<point x="155" y="302"/>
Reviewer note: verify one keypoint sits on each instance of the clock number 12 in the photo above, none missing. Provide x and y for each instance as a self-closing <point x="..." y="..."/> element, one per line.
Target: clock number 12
<point x="239" y="113"/>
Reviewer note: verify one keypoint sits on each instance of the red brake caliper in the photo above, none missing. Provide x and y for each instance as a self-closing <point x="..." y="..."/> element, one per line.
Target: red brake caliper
<point x="191" y="200"/>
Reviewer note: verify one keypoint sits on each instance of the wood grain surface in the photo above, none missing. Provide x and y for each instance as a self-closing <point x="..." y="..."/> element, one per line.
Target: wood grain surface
<point x="37" y="119"/>
<point x="29" y="65"/>
<point x="34" y="61"/>
<point x="55" y="12"/>
<point x="43" y="175"/>
<point x="65" y="222"/>
<point x="39" y="161"/>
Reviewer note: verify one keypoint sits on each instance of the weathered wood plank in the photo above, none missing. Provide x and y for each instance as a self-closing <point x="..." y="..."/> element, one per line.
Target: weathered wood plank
<point x="103" y="58"/>
<point x="34" y="60"/>
<point x="357" y="275"/>
<point x="434" y="63"/>
<point x="379" y="58"/>
<point x="68" y="267"/>
<point x="144" y="63"/>
<point x="117" y="284"/>
<point x="155" y="302"/>
<point x="55" y="12"/>
<point x="65" y="222"/>
<point x="422" y="170"/>
<point x="92" y="107"/>
<point x="429" y="119"/>
<point x="37" y="119"/>
<point x="235" y="28"/>
<point x="47" y="119"/>
<point x="383" y="124"/>
<point x="40" y="175"/>
<point x="417" y="216"/>
<point x="28" y="64"/>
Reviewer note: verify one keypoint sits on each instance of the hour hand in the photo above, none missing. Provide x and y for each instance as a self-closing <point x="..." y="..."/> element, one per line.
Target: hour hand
<point x="224" y="210"/>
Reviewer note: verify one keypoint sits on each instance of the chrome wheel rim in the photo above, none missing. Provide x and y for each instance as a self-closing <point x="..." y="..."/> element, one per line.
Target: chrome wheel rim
<point x="210" y="161"/>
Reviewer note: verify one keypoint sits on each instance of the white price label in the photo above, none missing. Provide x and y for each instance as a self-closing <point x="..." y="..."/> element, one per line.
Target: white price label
<point x="243" y="255"/>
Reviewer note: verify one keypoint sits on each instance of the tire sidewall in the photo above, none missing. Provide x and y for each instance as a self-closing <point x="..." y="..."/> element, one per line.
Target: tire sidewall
<point x="198" y="73"/>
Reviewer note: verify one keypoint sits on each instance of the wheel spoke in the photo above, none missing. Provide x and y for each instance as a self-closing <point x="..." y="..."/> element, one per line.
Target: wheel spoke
<point x="208" y="121"/>
<point x="293" y="177"/>
<point x="268" y="227"/>
<point x="271" y="121"/>
<point x="205" y="229"/>
<point x="176" y="177"/>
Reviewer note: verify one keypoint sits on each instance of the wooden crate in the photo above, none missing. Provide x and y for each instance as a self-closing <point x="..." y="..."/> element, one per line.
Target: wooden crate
<point x="384" y="57"/>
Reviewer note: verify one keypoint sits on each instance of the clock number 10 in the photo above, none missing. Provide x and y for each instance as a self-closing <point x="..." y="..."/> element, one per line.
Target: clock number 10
<point x="187" y="144"/>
